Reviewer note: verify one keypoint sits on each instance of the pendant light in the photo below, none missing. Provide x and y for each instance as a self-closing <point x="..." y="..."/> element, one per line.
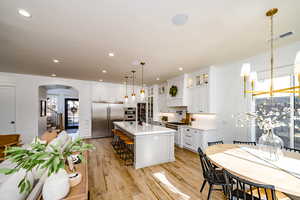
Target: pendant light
<point x="126" y="96"/>
<point x="245" y="71"/>
<point x="142" y="92"/>
<point x="133" y="94"/>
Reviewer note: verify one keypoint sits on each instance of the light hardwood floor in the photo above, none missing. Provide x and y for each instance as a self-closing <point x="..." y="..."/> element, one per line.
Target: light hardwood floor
<point x="109" y="179"/>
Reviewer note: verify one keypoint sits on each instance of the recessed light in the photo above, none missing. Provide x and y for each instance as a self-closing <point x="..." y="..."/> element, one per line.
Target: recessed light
<point x="180" y="69"/>
<point x="53" y="75"/>
<point x="180" y="19"/>
<point x="157" y="79"/>
<point x="104" y="71"/>
<point x="100" y="80"/>
<point x="55" y="61"/>
<point x="24" y="13"/>
<point x="111" y="54"/>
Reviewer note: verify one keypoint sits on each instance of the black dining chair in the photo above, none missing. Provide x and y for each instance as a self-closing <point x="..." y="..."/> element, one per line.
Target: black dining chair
<point x="244" y="142"/>
<point x="237" y="188"/>
<point x="292" y="149"/>
<point x="215" y="142"/>
<point x="212" y="176"/>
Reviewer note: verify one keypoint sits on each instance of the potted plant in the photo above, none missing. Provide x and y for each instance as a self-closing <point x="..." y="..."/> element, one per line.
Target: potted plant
<point x="39" y="156"/>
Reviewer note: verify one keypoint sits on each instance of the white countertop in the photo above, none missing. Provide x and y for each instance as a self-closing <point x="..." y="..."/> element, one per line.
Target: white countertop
<point x="147" y="129"/>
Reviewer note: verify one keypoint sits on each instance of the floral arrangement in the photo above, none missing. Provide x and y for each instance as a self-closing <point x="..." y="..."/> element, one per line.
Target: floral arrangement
<point x="41" y="156"/>
<point x="268" y="115"/>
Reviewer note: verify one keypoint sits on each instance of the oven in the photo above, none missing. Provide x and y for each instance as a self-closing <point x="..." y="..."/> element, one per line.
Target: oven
<point x="129" y="114"/>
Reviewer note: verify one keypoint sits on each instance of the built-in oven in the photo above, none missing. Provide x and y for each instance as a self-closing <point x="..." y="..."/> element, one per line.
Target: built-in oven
<point x="130" y="114"/>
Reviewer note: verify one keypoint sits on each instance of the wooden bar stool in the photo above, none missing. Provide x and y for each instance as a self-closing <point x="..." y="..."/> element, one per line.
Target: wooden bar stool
<point x="117" y="142"/>
<point x="129" y="151"/>
<point x="114" y="140"/>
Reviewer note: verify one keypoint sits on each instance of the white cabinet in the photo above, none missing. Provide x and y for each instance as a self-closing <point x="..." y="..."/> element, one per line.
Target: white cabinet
<point x="189" y="139"/>
<point x="198" y="100"/>
<point x="108" y="92"/>
<point x="201" y="97"/>
<point x="195" y="138"/>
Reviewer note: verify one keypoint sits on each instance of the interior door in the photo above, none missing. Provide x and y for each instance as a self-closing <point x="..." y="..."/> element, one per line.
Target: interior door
<point x="71" y="113"/>
<point x="7" y="110"/>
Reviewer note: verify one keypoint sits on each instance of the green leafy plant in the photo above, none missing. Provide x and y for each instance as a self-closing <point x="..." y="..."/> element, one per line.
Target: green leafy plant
<point x="41" y="156"/>
<point x="173" y="90"/>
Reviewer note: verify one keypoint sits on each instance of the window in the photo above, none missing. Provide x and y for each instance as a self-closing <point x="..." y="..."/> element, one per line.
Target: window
<point x="52" y="103"/>
<point x="280" y="101"/>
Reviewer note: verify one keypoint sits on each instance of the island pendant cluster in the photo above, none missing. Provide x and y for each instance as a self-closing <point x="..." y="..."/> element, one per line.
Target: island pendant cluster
<point x="132" y="76"/>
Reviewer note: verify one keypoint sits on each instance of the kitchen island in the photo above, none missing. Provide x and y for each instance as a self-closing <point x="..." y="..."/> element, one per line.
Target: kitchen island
<point x="152" y="144"/>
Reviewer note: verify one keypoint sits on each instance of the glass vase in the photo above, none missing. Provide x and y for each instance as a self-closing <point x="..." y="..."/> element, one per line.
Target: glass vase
<point x="271" y="145"/>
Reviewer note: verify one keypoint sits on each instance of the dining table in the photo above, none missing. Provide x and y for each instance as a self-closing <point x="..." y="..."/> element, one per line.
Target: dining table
<point x="249" y="162"/>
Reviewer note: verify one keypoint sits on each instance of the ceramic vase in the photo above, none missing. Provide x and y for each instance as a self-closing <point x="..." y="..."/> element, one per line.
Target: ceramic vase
<point x="56" y="186"/>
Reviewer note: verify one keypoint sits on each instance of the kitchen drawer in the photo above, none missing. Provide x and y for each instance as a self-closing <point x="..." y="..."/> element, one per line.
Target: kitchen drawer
<point x="189" y="145"/>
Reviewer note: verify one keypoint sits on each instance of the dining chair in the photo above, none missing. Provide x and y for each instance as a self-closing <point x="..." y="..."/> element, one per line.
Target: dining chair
<point x="292" y="149"/>
<point x="212" y="176"/>
<point x="244" y="142"/>
<point x="237" y="188"/>
<point x="215" y="142"/>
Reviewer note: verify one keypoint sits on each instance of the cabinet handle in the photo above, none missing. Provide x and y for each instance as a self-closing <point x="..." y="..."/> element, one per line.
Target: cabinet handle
<point x="188" y="136"/>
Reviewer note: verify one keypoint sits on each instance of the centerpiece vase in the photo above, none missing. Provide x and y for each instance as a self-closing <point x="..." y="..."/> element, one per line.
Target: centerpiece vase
<point x="271" y="145"/>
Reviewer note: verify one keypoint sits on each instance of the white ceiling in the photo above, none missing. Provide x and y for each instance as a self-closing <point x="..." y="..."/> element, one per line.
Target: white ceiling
<point x="81" y="33"/>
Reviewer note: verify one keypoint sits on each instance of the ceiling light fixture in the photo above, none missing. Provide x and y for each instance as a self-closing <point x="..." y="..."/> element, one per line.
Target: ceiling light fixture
<point x="24" y="13"/>
<point x="126" y="96"/>
<point x="245" y="71"/>
<point x="111" y="54"/>
<point x="53" y="75"/>
<point x="133" y="94"/>
<point x="104" y="71"/>
<point x="55" y="61"/>
<point x="180" y="69"/>
<point x="180" y="19"/>
<point x="142" y="92"/>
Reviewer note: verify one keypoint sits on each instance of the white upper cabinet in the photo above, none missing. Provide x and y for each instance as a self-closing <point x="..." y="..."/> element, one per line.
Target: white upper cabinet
<point x="179" y="98"/>
<point x="108" y="92"/>
<point x="201" y="91"/>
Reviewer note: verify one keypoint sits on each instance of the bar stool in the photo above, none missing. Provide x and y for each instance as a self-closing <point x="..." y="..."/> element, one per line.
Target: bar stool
<point x="114" y="140"/>
<point x="129" y="151"/>
<point x="118" y="143"/>
<point x="123" y="139"/>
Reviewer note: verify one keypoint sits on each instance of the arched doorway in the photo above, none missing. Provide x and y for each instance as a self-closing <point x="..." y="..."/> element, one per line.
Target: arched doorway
<point x="59" y="108"/>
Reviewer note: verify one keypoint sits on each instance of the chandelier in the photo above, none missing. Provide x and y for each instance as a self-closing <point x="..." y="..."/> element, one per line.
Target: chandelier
<point x="247" y="75"/>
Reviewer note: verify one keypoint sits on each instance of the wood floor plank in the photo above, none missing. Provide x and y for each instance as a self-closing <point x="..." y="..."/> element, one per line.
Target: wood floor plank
<point x="110" y="179"/>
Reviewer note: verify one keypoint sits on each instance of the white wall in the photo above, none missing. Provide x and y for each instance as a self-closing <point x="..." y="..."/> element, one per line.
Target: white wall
<point x="229" y="96"/>
<point x="27" y="103"/>
<point x="27" y="100"/>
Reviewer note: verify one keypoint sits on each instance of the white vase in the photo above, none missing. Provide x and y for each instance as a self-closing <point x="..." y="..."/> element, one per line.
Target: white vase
<point x="56" y="186"/>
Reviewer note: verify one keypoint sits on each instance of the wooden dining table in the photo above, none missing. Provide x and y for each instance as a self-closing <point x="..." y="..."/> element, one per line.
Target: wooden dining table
<point x="245" y="162"/>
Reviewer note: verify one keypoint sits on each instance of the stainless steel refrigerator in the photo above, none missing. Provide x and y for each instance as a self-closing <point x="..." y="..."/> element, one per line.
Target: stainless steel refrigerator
<point x="103" y="116"/>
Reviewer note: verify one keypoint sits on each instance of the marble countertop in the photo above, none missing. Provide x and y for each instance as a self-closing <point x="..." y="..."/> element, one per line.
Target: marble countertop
<point x="147" y="129"/>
